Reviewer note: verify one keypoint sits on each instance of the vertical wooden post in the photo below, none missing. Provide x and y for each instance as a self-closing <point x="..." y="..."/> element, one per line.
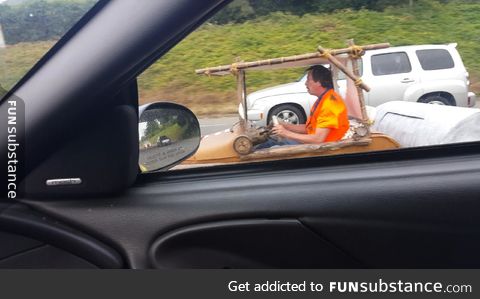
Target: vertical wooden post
<point x="361" y="98"/>
<point x="242" y="92"/>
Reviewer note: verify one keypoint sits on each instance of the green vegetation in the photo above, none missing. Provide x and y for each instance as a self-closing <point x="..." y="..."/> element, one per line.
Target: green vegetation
<point x="172" y="124"/>
<point x="40" y="20"/>
<point x="16" y="60"/>
<point x="280" y="34"/>
<point x="173" y="131"/>
<point x="242" y="10"/>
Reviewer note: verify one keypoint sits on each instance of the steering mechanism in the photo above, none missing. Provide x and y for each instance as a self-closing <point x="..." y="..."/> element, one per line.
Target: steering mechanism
<point x="250" y="135"/>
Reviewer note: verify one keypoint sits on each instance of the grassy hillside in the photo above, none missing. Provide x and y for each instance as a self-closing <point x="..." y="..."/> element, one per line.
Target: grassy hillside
<point x="280" y="35"/>
<point x="16" y="60"/>
<point x="173" y="78"/>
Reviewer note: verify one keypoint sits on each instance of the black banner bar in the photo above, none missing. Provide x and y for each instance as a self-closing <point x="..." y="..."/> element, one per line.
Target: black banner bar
<point x="240" y="283"/>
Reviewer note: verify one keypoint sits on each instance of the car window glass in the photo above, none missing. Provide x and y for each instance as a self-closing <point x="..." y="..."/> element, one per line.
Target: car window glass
<point x="435" y="59"/>
<point x="391" y="63"/>
<point x="247" y="30"/>
<point x="28" y="29"/>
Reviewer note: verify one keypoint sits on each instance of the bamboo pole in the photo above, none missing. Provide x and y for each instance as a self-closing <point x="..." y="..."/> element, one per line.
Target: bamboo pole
<point x="241" y="92"/>
<point x="328" y="54"/>
<point x="361" y="98"/>
<point x="363" y="48"/>
<point x="244" y="65"/>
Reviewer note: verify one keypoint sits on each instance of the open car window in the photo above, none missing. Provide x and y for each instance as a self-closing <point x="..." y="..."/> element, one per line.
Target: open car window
<point x="395" y="111"/>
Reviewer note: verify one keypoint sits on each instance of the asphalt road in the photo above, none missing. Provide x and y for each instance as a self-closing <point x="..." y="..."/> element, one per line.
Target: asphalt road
<point x="216" y="124"/>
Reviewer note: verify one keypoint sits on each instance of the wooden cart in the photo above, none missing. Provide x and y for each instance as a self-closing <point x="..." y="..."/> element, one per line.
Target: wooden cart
<point x="237" y="144"/>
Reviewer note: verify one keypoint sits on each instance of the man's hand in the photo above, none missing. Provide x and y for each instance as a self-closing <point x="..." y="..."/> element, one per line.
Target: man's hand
<point x="280" y="131"/>
<point x="286" y="131"/>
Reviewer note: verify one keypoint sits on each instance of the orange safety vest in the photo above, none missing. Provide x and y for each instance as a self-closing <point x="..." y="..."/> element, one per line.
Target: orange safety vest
<point x="329" y="112"/>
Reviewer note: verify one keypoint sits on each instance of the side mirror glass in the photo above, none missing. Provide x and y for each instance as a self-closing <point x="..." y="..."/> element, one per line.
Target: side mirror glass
<point x="168" y="134"/>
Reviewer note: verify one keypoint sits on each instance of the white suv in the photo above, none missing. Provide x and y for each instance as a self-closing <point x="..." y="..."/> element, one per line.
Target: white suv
<point x="421" y="73"/>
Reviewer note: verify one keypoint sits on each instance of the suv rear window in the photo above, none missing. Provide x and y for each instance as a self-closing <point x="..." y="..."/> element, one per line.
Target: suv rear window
<point x="390" y="63"/>
<point x="435" y="59"/>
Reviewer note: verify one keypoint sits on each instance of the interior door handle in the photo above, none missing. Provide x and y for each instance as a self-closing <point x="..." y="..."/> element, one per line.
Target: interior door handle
<point x="407" y="80"/>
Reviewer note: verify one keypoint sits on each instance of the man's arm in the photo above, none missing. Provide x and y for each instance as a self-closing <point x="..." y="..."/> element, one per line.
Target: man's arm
<point x="295" y="128"/>
<point x="319" y="136"/>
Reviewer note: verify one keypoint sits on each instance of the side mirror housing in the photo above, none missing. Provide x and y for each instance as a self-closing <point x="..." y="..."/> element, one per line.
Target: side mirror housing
<point x="168" y="134"/>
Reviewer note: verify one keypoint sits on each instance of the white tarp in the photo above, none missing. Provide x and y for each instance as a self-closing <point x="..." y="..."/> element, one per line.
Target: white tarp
<point x="418" y="124"/>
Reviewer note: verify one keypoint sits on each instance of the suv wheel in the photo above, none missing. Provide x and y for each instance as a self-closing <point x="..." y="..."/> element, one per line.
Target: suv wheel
<point x="287" y="113"/>
<point x="436" y="100"/>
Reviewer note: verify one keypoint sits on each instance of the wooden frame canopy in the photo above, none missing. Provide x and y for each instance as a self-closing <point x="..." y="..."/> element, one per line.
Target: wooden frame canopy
<point x="323" y="56"/>
<point x="337" y="58"/>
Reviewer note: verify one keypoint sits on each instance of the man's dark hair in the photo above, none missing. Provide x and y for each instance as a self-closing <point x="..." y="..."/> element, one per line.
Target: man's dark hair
<point x="321" y="74"/>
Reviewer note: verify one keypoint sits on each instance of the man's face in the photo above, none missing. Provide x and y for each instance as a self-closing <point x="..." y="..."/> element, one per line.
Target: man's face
<point x="314" y="88"/>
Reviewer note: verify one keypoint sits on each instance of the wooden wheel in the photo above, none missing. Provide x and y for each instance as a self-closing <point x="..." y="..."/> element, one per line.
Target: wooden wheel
<point x="242" y="145"/>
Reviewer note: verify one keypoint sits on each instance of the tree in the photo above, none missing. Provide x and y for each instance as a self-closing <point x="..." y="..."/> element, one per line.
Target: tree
<point x="152" y="128"/>
<point x="40" y="20"/>
<point x="237" y="11"/>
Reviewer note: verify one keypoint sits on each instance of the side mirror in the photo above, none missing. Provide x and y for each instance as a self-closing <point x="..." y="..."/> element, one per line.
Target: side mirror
<point x="168" y="134"/>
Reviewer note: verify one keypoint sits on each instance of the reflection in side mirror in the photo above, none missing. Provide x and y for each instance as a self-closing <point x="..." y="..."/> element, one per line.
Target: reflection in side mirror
<point x="168" y="134"/>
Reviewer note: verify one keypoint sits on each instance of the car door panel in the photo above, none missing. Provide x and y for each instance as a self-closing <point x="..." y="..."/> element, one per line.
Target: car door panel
<point x="45" y="257"/>
<point x="360" y="208"/>
<point x="35" y="240"/>
<point x="383" y="244"/>
<point x="13" y="244"/>
<point x="252" y="243"/>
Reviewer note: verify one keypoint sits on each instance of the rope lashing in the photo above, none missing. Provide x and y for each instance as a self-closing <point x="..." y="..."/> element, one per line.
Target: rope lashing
<point x="234" y="68"/>
<point x="325" y="53"/>
<point x="356" y="51"/>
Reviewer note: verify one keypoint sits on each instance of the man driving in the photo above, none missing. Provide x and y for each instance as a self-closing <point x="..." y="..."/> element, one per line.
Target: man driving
<point x="328" y="119"/>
